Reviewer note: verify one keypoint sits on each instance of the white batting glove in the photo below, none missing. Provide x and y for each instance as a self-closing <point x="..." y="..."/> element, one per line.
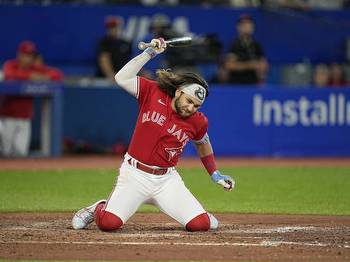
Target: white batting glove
<point x="225" y="181"/>
<point x="159" y="45"/>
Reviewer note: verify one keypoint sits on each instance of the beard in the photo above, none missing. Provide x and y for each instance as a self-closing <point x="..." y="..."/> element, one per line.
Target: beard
<point x="178" y="109"/>
<point x="177" y="105"/>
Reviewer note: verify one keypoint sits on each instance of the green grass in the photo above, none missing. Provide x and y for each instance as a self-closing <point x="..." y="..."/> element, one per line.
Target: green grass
<point x="323" y="191"/>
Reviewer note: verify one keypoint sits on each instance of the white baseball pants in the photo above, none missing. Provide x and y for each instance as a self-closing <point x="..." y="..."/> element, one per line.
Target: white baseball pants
<point x="15" y="136"/>
<point x="167" y="192"/>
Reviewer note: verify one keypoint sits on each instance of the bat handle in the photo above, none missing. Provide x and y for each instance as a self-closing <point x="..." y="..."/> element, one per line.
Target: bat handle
<point x="143" y="45"/>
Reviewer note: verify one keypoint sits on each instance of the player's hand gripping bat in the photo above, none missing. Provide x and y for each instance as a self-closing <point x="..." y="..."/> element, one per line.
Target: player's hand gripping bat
<point x="172" y="42"/>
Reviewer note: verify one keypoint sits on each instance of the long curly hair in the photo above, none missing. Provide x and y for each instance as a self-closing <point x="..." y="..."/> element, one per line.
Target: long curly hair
<point x="169" y="81"/>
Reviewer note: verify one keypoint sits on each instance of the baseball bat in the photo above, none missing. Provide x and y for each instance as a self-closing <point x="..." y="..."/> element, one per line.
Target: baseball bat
<point x="172" y="42"/>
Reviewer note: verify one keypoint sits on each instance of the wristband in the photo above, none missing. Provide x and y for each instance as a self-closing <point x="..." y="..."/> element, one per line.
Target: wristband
<point x="209" y="163"/>
<point x="151" y="52"/>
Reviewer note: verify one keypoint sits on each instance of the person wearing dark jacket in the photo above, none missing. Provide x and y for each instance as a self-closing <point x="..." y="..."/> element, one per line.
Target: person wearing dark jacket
<point x="113" y="51"/>
<point x="246" y="61"/>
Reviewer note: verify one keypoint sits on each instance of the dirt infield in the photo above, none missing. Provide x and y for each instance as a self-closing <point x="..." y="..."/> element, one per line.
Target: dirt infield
<point x="241" y="237"/>
<point x="157" y="237"/>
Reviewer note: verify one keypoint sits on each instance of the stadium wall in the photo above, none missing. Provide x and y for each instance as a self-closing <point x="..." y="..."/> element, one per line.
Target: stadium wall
<point x="242" y="121"/>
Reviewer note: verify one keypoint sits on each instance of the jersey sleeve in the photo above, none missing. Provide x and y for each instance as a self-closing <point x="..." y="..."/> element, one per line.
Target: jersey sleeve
<point x="11" y="72"/>
<point x="127" y="77"/>
<point x="202" y="130"/>
<point x="144" y="88"/>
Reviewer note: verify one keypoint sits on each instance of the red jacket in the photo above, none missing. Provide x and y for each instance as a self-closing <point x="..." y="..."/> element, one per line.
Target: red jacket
<point x="22" y="106"/>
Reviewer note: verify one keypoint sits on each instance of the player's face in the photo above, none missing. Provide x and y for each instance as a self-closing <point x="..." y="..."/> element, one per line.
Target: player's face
<point x="25" y="59"/>
<point x="185" y="105"/>
<point x="114" y="31"/>
<point x="246" y="27"/>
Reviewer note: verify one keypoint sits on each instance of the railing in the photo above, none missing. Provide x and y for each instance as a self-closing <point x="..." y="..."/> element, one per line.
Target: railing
<point x="51" y="111"/>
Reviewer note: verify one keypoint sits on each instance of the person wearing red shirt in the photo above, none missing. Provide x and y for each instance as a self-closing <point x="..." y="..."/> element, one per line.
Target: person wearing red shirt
<point x="336" y="76"/>
<point x="16" y="112"/>
<point x="47" y="73"/>
<point x="167" y="121"/>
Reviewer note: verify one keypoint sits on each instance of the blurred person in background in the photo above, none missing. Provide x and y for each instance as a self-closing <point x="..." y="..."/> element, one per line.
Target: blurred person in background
<point x="160" y="27"/>
<point x="16" y="112"/>
<point x="246" y="61"/>
<point x="48" y="73"/>
<point x="222" y="75"/>
<point x="321" y="75"/>
<point x="113" y="51"/>
<point x="336" y="76"/>
<point x="179" y="59"/>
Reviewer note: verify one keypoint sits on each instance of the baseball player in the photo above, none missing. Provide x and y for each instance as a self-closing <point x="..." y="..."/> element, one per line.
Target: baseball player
<point x="167" y="121"/>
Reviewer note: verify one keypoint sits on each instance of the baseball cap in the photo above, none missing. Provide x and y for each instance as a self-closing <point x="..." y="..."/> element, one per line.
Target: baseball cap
<point x="113" y="21"/>
<point x="244" y="17"/>
<point x="27" y="47"/>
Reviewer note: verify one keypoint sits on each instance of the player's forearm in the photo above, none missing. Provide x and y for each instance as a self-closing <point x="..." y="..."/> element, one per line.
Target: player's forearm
<point x="240" y="66"/>
<point x="205" y="152"/>
<point x="106" y="65"/>
<point x="128" y="74"/>
<point x="10" y="74"/>
<point x="204" y="149"/>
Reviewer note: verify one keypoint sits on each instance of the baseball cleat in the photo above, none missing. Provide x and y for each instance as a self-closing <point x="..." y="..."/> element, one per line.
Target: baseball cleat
<point x="85" y="216"/>
<point x="214" y="223"/>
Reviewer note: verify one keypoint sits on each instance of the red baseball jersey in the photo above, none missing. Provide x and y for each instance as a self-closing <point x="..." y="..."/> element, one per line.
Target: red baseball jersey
<point x="17" y="106"/>
<point x="161" y="134"/>
<point x="22" y="106"/>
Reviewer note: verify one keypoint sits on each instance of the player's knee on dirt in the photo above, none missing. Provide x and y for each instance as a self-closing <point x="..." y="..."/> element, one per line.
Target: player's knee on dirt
<point x="199" y="223"/>
<point x="106" y="221"/>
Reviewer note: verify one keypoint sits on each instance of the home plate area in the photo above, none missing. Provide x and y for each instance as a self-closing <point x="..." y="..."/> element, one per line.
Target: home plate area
<point x="157" y="237"/>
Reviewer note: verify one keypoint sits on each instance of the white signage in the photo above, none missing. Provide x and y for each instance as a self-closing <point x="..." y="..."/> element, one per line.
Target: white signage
<point x="334" y="111"/>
